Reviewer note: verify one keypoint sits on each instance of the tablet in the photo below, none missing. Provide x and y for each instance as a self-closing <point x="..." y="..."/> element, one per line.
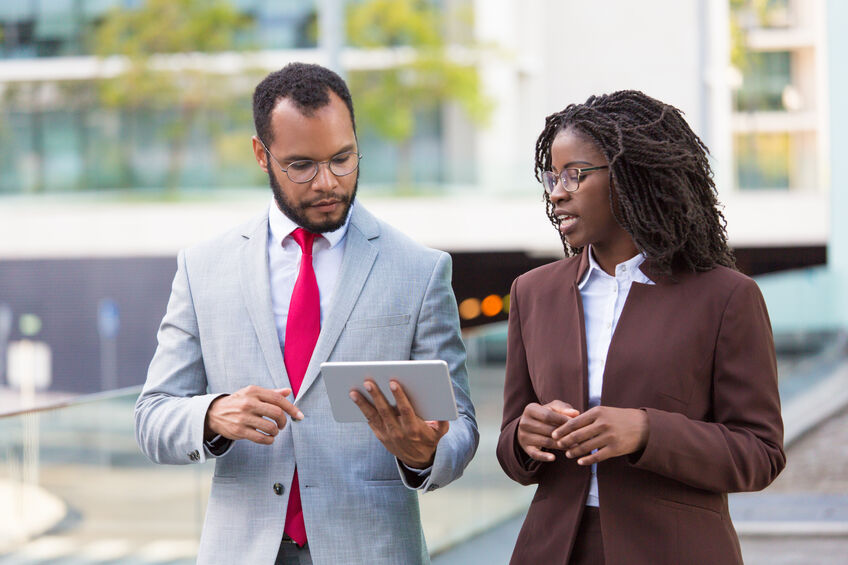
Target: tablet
<point x="426" y="383"/>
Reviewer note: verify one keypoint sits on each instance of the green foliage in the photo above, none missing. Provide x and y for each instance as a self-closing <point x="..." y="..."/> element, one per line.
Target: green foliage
<point x="163" y="43"/>
<point x="743" y="15"/>
<point x="424" y="76"/>
<point x="390" y="23"/>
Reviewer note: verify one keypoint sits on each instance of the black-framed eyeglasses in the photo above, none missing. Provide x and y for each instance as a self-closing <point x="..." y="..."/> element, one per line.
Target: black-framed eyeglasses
<point x="570" y="178"/>
<point x="305" y="170"/>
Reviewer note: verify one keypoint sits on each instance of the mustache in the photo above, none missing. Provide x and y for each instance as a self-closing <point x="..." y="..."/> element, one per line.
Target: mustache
<point x="331" y="197"/>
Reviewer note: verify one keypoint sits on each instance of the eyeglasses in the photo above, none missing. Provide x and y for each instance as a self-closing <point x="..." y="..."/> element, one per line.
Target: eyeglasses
<point x="570" y="178"/>
<point x="305" y="170"/>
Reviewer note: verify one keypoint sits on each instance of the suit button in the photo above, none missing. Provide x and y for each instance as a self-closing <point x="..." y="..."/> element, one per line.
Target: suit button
<point x="278" y="489"/>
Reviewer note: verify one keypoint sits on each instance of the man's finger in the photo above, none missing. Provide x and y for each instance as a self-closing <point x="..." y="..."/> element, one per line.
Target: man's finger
<point x="273" y="411"/>
<point x="258" y="437"/>
<point x="366" y="408"/>
<point x="387" y="413"/>
<point x="277" y="397"/>
<point x="404" y="406"/>
<point x="440" y="426"/>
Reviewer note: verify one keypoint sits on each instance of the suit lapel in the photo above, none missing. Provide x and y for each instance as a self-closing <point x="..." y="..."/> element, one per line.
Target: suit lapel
<point x="359" y="256"/>
<point x="256" y="287"/>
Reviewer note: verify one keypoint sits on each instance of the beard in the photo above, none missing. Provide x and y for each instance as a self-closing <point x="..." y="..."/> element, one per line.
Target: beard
<point x="296" y="213"/>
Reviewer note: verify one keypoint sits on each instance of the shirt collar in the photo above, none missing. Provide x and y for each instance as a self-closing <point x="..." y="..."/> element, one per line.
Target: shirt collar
<point x="282" y="226"/>
<point x="631" y="267"/>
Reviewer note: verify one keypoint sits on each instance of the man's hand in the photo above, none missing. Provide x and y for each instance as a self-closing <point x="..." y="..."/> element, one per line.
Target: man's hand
<point x="254" y="413"/>
<point x="405" y="435"/>
<point x="536" y="425"/>
<point x="612" y="431"/>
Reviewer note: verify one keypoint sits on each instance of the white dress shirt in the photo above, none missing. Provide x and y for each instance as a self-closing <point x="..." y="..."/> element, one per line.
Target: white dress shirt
<point x="284" y="255"/>
<point x="603" y="300"/>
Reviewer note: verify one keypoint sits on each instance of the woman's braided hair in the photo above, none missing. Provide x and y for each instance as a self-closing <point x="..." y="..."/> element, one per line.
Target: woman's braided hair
<point x="661" y="186"/>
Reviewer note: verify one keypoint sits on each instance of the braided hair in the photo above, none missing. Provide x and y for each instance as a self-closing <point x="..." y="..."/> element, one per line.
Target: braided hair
<point x="661" y="187"/>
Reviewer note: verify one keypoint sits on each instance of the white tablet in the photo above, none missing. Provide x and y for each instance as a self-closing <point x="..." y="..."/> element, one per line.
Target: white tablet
<point x="426" y="383"/>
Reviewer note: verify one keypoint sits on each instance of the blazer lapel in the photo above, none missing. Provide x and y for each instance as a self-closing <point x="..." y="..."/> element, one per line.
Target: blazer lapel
<point x="579" y="321"/>
<point x="256" y="287"/>
<point x="359" y="256"/>
<point x="574" y="358"/>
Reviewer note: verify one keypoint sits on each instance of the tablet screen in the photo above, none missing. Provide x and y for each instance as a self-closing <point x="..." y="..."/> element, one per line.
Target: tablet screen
<point x="426" y="383"/>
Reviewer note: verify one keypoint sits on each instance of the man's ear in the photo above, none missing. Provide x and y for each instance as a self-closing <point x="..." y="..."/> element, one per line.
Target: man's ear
<point x="259" y="153"/>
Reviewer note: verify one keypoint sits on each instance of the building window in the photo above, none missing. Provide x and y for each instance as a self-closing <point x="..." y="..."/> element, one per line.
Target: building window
<point x="763" y="160"/>
<point x="765" y="80"/>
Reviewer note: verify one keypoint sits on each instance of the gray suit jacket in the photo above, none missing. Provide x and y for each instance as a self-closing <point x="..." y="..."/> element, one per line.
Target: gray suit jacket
<point x="393" y="301"/>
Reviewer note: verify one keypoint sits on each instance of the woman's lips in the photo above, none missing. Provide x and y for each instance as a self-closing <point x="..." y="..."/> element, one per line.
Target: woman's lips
<point x="566" y="222"/>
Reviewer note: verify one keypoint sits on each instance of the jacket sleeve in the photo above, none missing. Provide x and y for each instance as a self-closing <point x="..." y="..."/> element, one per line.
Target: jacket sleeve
<point x="741" y="449"/>
<point x="437" y="336"/>
<point x="171" y="410"/>
<point x="518" y="393"/>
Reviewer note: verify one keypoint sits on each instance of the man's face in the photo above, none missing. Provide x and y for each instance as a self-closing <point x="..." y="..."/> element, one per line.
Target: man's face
<point x="322" y="204"/>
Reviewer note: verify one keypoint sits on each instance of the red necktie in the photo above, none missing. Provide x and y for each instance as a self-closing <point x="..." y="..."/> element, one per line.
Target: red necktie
<point x="302" y="328"/>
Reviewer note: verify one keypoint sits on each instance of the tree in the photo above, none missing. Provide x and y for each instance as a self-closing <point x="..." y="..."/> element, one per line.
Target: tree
<point x="426" y="71"/>
<point x="163" y="43"/>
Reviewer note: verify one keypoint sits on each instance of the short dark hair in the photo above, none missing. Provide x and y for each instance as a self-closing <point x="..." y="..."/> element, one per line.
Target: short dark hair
<point x="660" y="178"/>
<point x="304" y="84"/>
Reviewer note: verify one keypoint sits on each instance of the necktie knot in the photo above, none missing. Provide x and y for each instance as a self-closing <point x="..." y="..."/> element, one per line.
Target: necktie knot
<point x="304" y="239"/>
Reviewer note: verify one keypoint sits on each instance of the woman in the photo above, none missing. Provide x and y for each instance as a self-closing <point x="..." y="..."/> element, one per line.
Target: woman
<point x="641" y="383"/>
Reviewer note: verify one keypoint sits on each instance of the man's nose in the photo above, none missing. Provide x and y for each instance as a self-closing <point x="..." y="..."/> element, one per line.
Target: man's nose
<point x="324" y="178"/>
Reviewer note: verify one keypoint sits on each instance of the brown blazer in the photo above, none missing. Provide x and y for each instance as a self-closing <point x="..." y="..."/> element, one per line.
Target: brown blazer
<point x="696" y="353"/>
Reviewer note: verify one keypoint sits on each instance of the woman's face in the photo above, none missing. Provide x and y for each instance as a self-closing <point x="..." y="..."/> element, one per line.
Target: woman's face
<point x="585" y="216"/>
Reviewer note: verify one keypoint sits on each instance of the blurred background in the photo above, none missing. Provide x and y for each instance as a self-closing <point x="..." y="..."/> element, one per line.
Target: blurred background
<point x="125" y="135"/>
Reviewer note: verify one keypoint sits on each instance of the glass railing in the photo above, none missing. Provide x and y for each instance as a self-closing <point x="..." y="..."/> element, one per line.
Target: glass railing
<point x="74" y="487"/>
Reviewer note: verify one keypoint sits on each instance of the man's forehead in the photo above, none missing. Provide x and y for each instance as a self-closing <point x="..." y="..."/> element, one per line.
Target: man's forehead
<point x="289" y="108"/>
<point x="298" y="131"/>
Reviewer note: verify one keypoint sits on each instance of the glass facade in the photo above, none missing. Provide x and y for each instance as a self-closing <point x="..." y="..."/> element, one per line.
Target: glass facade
<point x="62" y="137"/>
<point x="95" y="148"/>
<point x="776" y="141"/>
<point x="763" y="160"/>
<point x="54" y="28"/>
<point x="765" y="78"/>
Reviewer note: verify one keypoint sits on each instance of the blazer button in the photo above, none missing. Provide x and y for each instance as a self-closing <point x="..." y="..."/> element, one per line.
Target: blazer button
<point x="279" y="489"/>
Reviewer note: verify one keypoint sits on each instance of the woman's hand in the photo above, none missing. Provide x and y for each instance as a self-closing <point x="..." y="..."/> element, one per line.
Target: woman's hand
<point x="610" y="431"/>
<point x="536" y="425"/>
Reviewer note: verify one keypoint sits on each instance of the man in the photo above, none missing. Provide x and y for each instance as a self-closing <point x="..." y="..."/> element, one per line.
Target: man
<point x="236" y="374"/>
